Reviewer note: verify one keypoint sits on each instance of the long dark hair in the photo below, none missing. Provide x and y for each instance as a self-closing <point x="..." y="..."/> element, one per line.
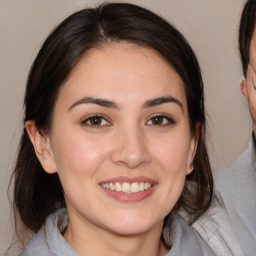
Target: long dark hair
<point x="36" y="193"/>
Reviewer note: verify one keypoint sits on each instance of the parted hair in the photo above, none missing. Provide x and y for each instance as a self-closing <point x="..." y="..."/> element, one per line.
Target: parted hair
<point x="37" y="193"/>
<point x="246" y="29"/>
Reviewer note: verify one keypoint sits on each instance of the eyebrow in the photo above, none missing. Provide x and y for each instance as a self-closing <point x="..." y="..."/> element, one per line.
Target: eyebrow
<point x="162" y="100"/>
<point x="111" y="104"/>
<point x="97" y="101"/>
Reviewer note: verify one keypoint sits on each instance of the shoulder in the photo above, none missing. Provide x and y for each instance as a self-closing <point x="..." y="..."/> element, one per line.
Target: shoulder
<point x="186" y="240"/>
<point x="38" y="246"/>
<point x="216" y="229"/>
<point x="49" y="240"/>
<point x="239" y="181"/>
<point x="237" y="190"/>
<point x="240" y="170"/>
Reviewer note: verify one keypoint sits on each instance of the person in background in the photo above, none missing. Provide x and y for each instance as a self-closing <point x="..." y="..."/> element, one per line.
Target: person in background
<point x="231" y="220"/>
<point x="237" y="185"/>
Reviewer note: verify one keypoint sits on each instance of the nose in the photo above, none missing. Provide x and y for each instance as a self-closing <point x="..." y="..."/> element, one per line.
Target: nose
<point x="131" y="149"/>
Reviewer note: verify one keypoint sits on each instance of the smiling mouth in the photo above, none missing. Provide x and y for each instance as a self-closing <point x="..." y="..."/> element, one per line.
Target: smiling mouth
<point x="125" y="187"/>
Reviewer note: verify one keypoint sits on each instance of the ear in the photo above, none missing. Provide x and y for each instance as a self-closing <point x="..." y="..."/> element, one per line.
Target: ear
<point x="42" y="147"/>
<point x="193" y="148"/>
<point x="244" y="89"/>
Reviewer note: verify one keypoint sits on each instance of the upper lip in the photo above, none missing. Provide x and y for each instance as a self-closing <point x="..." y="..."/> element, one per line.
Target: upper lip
<point x="129" y="180"/>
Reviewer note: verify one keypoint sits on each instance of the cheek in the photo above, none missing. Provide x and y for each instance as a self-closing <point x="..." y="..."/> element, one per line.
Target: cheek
<point x="252" y="98"/>
<point x="252" y="104"/>
<point x="173" y="154"/>
<point x="79" y="155"/>
<point x="172" y="159"/>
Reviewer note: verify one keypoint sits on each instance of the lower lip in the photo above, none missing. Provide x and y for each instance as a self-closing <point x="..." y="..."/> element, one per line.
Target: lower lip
<point x="132" y="197"/>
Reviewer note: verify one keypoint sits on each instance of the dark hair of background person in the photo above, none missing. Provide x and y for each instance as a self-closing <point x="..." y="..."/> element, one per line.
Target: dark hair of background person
<point x="246" y="29"/>
<point x="37" y="193"/>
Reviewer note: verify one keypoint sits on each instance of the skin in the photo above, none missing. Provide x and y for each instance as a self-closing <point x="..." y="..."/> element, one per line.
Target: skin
<point x="248" y="85"/>
<point x="127" y="143"/>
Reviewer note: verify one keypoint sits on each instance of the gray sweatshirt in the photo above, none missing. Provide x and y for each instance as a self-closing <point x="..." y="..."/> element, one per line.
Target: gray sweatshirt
<point x="49" y="241"/>
<point x="237" y="187"/>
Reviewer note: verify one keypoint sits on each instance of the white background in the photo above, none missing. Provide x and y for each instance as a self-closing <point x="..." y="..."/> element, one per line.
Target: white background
<point x="211" y="27"/>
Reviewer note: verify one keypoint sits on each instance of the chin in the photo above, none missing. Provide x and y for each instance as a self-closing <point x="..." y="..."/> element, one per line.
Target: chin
<point x="132" y="226"/>
<point x="130" y="230"/>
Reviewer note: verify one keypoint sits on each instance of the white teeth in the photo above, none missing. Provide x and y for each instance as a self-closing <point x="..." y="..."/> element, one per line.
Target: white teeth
<point x="118" y="187"/>
<point x="126" y="187"/>
<point x="135" y="187"/>
<point x="142" y="186"/>
<point x="111" y="186"/>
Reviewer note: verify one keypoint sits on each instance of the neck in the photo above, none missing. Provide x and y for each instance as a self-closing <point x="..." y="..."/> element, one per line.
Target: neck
<point x="95" y="241"/>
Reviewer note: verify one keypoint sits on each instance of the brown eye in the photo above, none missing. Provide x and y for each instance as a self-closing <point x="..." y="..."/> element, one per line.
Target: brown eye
<point x="160" y="120"/>
<point x="157" y="120"/>
<point x="95" y="121"/>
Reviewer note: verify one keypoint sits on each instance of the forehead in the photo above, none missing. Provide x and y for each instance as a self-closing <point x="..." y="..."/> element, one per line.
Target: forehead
<point x="123" y="53"/>
<point x="123" y="67"/>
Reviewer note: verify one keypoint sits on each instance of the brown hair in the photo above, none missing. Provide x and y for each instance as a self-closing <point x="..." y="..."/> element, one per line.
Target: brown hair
<point x="36" y="193"/>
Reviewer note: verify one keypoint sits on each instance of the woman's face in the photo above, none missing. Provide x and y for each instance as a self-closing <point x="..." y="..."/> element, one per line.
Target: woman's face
<point x="249" y="88"/>
<point x="120" y="140"/>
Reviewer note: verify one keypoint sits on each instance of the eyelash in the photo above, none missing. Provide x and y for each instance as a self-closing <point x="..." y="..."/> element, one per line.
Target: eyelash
<point x="100" y="118"/>
<point x="163" y="119"/>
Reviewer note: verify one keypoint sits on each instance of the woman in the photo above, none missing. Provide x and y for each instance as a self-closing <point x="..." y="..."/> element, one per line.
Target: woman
<point x="113" y="145"/>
